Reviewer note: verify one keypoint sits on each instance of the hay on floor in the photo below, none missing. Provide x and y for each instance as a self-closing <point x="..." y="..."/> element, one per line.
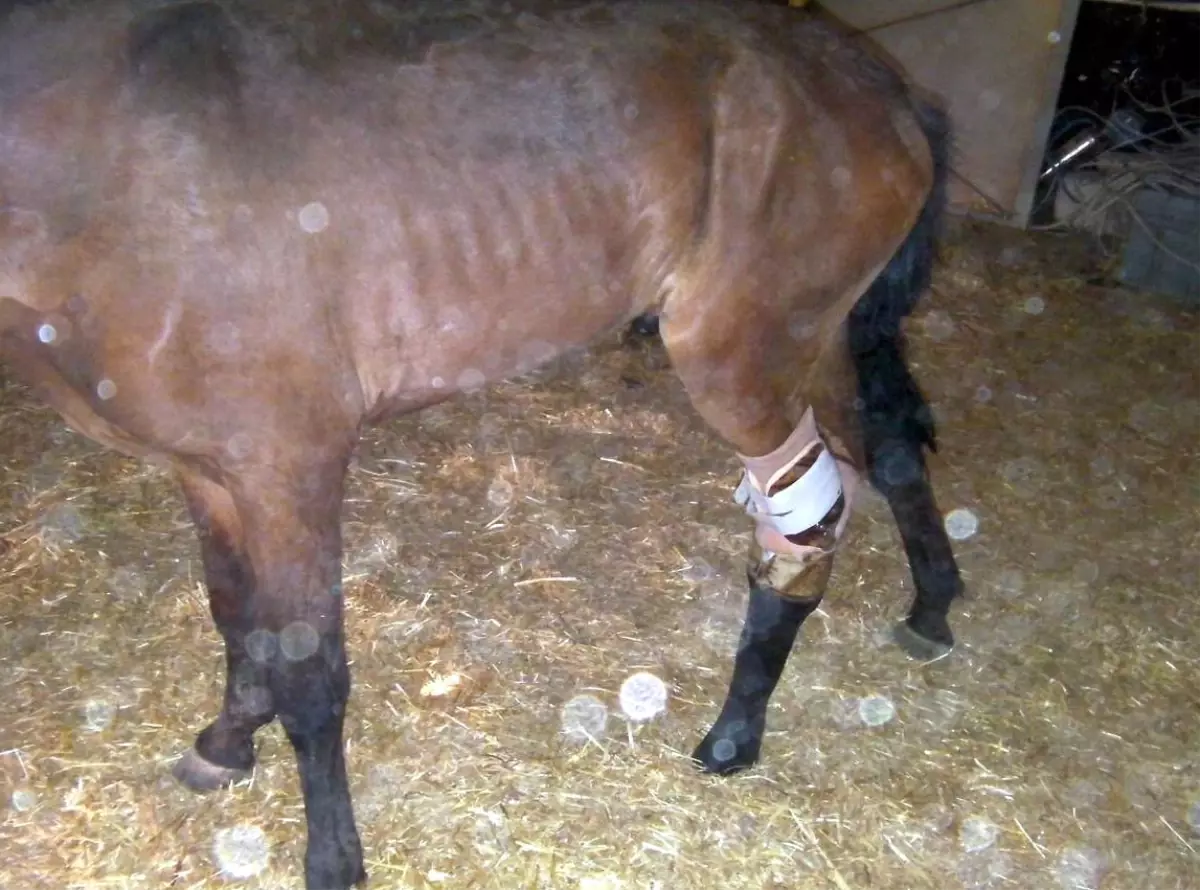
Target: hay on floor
<point x="512" y="551"/>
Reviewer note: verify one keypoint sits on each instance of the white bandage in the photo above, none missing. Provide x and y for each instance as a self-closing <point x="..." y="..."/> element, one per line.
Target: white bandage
<point x="804" y="503"/>
<point x="799" y="506"/>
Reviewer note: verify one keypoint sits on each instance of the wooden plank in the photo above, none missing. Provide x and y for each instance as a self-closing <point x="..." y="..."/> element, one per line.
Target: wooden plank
<point x="997" y="64"/>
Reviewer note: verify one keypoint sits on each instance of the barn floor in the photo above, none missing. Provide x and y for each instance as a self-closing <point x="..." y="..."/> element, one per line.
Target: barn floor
<point x="542" y="541"/>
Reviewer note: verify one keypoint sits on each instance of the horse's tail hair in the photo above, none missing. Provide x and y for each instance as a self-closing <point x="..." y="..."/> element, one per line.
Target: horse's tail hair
<point x="892" y="409"/>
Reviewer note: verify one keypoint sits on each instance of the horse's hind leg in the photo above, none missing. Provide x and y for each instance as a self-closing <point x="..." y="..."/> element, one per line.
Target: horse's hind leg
<point x="739" y="365"/>
<point x="224" y="750"/>
<point x="896" y="429"/>
<point x="895" y="423"/>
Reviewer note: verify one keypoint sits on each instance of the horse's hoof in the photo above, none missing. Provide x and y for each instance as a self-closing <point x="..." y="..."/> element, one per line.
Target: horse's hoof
<point x="728" y="749"/>
<point x="922" y="645"/>
<point x="202" y="776"/>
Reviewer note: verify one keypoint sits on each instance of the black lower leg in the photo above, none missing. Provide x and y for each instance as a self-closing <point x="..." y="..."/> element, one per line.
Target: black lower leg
<point x="248" y="705"/>
<point x="926" y="632"/>
<point x="896" y="421"/>
<point x="310" y="697"/>
<point x="771" y="626"/>
<point x="897" y="427"/>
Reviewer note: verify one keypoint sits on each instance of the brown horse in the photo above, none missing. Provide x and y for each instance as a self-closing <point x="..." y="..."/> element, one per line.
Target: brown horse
<point x="231" y="233"/>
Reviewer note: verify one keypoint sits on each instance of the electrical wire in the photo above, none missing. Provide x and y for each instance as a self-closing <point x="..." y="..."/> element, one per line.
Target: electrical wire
<point x="1135" y="164"/>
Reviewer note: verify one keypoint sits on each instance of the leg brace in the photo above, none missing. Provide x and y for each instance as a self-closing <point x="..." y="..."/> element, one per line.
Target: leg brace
<point x="795" y="508"/>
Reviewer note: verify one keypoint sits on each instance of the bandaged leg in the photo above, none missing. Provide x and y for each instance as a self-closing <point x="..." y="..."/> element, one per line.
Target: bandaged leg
<point x="800" y="497"/>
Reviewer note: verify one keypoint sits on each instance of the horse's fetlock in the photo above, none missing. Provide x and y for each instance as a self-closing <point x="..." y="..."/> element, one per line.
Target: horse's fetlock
<point x="799" y="577"/>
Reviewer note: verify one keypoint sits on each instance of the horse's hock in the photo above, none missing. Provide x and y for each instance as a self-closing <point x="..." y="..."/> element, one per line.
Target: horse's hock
<point x="544" y="579"/>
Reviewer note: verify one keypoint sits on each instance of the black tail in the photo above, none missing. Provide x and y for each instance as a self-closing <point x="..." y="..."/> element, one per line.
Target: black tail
<point x="892" y="404"/>
<point x="897" y="425"/>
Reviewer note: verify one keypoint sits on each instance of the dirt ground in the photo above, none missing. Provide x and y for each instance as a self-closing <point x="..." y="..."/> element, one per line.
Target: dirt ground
<point x="519" y="548"/>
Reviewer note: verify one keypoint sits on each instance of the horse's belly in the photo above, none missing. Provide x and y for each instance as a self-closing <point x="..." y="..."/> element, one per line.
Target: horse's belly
<point x="440" y="342"/>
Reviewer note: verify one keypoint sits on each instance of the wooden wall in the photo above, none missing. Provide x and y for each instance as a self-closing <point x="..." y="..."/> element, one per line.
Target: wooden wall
<point x="997" y="64"/>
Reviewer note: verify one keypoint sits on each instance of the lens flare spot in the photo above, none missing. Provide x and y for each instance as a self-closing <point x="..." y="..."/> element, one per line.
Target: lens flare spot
<point x="584" y="719"/>
<point x="961" y="524"/>
<point x="260" y="645"/>
<point x="239" y="446"/>
<point x="471" y="379"/>
<point x="98" y="715"/>
<point x="876" y="710"/>
<point x="977" y="834"/>
<point x="1081" y="868"/>
<point x="313" y="218"/>
<point x="643" y="697"/>
<point x="298" y="641"/>
<point x="241" y="852"/>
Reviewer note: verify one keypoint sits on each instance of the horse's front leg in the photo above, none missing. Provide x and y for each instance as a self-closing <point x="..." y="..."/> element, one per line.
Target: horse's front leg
<point x="790" y="563"/>
<point x="289" y="510"/>
<point x="797" y="488"/>
<point x="769" y="632"/>
<point x="224" y="750"/>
